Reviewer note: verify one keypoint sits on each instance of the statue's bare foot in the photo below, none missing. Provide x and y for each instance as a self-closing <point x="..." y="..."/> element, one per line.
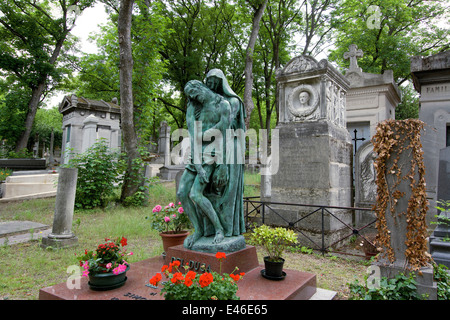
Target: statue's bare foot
<point x="219" y="236"/>
<point x="192" y="239"/>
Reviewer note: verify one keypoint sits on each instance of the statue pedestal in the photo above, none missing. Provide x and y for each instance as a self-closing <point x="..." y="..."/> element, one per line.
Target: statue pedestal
<point x="245" y="259"/>
<point x="227" y="245"/>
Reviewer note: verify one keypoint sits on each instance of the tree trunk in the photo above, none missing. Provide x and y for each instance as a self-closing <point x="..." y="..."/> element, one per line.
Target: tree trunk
<point x="36" y="97"/>
<point x="32" y="109"/>
<point x="131" y="183"/>
<point x="248" y="72"/>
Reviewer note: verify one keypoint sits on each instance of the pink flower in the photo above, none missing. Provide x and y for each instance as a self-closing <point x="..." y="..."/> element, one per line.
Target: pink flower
<point x="85" y="265"/>
<point x="174" y="216"/>
<point x="180" y="210"/>
<point x="171" y="204"/>
<point x="85" y="273"/>
<point x="109" y="265"/>
<point x="166" y="219"/>
<point x="179" y="203"/>
<point x="157" y="208"/>
<point x="130" y="254"/>
<point x="121" y="268"/>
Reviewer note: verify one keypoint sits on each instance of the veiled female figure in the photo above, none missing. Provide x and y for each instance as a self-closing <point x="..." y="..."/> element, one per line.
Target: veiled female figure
<point x="229" y="201"/>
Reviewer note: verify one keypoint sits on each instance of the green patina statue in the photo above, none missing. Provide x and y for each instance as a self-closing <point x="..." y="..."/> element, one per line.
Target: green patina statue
<point x="211" y="187"/>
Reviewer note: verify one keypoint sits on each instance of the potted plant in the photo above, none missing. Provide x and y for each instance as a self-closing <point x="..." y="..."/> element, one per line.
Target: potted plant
<point x="172" y="223"/>
<point x="274" y="240"/>
<point x="106" y="267"/>
<point x="189" y="285"/>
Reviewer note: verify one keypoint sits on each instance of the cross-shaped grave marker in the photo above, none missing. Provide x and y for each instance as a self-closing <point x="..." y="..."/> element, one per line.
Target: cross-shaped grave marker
<point x="353" y="54"/>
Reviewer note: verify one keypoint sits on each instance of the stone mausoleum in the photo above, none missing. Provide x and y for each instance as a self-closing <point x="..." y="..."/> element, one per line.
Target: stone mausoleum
<point x="85" y="121"/>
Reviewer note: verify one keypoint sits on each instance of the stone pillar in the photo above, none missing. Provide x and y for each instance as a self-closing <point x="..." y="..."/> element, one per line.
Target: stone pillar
<point x="61" y="235"/>
<point x="315" y="149"/>
<point x="402" y="228"/>
<point x="89" y="132"/>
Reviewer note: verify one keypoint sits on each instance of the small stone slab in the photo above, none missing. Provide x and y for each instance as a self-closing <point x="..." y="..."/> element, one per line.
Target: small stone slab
<point x="17" y="227"/>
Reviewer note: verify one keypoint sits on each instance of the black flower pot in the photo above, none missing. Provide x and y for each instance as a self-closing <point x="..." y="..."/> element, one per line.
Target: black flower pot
<point x="273" y="269"/>
<point x="107" y="281"/>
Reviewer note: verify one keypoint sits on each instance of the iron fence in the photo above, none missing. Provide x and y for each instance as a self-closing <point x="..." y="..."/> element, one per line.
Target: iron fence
<point x="256" y="209"/>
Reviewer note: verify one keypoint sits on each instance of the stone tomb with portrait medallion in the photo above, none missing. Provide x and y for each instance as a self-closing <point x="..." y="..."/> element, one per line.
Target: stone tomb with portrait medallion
<point x="315" y="149"/>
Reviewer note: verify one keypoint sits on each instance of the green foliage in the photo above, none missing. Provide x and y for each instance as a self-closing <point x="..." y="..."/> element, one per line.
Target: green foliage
<point x="22" y="154"/>
<point x="99" y="169"/>
<point x="46" y="121"/>
<point x="406" y="28"/>
<point x="196" y="286"/>
<point x="34" y="57"/>
<point x="442" y="276"/>
<point x="274" y="239"/>
<point x="408" y="108"/>
<point x="399" y="288"/>
<point x="107" y="257"/>
<point x="4" y="173"/>
<point x="443" y="218"/>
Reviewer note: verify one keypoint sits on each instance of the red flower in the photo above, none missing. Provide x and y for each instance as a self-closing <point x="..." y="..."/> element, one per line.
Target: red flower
<point x="188" y="282"/>
<point x="235" y="277"/>
<point x="156" y="279"/>
<point x="205" y="279"/>
<point x="177" y="277"/>
<point x="176" y="263"/>
<point x="123" y="241"/>
<point x="191" y="275"/>
<point x="220" y="255"/>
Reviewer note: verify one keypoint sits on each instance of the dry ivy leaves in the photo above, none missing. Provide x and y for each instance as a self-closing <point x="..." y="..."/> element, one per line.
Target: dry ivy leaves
<point x="392" y="139"/>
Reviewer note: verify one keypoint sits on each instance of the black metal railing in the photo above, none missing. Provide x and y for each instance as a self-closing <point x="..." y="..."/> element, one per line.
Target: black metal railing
<point x="256" y="209"/>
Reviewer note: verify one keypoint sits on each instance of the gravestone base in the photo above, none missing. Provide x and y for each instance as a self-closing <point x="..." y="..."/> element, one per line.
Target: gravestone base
<point x="59" y="241"/>
<point x="245" y="259"/>
<point x="227" y="245"/>
<point x="440" y="250"/>
<point x="297" y="285"/>
<point x="424" y="277"/>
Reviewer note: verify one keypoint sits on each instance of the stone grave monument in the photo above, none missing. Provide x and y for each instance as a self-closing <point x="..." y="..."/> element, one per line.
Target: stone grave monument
<point x="168" y="171"/>
<point x="371" y="97"/>
<point x="401" y="222"/>
<point x="439" y="244"/>
<point x="431" y="78"/>
<point x="365" y="186"/>
<point x="85" y="121"/>
<point x="315" y="148"/>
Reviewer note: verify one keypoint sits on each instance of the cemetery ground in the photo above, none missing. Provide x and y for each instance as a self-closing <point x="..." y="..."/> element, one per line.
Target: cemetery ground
<point x="26" y="267"/>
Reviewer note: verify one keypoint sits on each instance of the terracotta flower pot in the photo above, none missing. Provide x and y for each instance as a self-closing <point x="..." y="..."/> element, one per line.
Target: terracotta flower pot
<point x="171" y="239"/>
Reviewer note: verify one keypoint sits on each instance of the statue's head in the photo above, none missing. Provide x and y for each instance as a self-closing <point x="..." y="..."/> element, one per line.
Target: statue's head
<point x="196" y="90"/>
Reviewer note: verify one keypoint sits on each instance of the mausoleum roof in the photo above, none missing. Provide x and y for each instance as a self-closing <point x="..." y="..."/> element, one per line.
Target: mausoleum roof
<point x="72" y="101"/>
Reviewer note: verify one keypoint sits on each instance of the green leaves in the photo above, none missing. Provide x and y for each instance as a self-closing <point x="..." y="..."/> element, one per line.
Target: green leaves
<point x="98" y="170"/>
<point x="274" y="239"/>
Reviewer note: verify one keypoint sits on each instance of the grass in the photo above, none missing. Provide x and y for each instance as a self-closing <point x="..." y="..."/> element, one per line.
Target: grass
<point x="27" y="267"/>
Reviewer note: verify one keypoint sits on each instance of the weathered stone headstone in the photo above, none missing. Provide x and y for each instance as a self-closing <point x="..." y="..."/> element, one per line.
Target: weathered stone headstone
<point x="402" y="227"/>
<point x="365" y="186"/>
<point x="315" y="149"/>
<point x="61" y="235"/>
<point x="439" y="244"/>
<point x="431" y="78"/>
